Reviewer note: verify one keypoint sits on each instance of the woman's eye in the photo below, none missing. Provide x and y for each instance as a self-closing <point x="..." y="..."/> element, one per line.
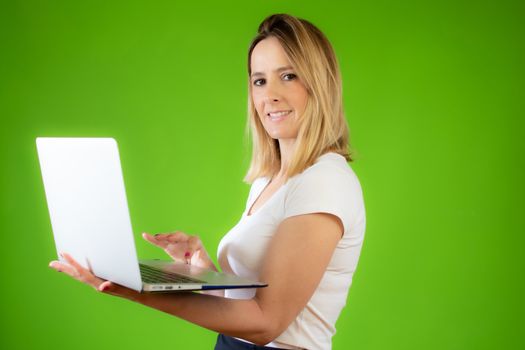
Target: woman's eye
<point x="289" y="76"/>
<point x="258" y="82"/>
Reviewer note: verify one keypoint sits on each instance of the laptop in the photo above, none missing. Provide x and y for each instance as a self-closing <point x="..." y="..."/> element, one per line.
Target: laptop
<point x="87" y="203"/>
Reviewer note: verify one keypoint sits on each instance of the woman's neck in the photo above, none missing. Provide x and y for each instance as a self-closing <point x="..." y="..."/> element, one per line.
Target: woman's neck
<point x="286" y="147"/>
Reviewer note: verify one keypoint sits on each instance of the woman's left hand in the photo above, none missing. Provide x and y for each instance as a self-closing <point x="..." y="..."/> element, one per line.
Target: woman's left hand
<point x="78" y="272"/>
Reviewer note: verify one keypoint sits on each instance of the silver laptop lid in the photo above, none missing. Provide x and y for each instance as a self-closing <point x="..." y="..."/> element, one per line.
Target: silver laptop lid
<point x="87" y="204"/>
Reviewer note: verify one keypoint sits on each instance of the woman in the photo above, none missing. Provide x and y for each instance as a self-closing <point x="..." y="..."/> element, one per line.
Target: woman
<point x="304" y="222"/>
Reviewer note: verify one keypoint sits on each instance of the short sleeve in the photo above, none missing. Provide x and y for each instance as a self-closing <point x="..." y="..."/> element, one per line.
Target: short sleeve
<point x="325" y="189"/>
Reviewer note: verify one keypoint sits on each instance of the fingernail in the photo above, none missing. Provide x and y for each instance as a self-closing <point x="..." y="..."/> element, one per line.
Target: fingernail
<point x="187" y="254"/>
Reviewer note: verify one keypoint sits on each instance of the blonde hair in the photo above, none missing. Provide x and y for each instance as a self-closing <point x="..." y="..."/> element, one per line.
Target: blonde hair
<point x="323" y="127"/>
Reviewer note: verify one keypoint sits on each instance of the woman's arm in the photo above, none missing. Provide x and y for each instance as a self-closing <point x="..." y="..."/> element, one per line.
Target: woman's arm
<point x="293" y="267"/>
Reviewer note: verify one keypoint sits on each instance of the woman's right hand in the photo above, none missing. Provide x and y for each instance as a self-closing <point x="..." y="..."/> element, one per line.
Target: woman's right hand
<point x="182" y="247"/>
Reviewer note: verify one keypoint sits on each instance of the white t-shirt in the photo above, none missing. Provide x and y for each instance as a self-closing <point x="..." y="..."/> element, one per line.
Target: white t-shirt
<point x="328" y="186"/>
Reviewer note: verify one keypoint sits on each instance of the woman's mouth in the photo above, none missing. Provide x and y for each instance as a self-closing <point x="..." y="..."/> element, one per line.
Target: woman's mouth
<point x="278" y="115"/>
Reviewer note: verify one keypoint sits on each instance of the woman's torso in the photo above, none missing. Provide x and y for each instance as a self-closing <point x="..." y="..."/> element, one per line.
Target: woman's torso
<point x="242" y="249"/>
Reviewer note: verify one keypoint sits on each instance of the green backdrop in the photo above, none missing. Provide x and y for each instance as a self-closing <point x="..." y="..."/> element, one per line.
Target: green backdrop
<point x="433" y="92"/>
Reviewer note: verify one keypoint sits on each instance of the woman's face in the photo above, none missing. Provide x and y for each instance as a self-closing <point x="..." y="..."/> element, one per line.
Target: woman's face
<point x="277" y="93"/>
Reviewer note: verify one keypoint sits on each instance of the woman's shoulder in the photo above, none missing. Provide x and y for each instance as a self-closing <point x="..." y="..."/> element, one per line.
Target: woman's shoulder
<point x="328" y="186"/>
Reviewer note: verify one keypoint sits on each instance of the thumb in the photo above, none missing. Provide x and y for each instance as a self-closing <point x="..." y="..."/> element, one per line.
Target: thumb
<point x="117" y="290"/>
<point x="105" y="287"/>
<point x="194" y="245"/>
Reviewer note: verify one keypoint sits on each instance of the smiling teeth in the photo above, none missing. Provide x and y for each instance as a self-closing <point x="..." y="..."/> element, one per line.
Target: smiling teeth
<point x="278" y="114"/>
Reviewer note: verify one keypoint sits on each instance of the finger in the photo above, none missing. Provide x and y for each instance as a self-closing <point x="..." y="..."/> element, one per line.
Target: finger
<point x="82" y="274"/>
<point x="162" y="236"/>
<point x="178" y="237"/>
<point x="61" y="267"/>
<point x="173" y="237"/>
<point x="109" y="287"/>
<point x="194" y="243"/>
<point x="73" y="262"/>
<point x="148" y="237"/>
<point x="177" y="250"/>
<point x="151" y="239"/>
<point x="69" y="270"/>
<point x="174" y="244"/>
<point x="106" y="287"/>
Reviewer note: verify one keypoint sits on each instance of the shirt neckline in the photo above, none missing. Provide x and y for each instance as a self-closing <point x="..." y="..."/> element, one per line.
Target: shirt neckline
<point x="267" y="182"/>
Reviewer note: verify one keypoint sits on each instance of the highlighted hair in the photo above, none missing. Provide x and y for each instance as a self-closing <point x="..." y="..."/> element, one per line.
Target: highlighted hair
<point x="323" y="127"/>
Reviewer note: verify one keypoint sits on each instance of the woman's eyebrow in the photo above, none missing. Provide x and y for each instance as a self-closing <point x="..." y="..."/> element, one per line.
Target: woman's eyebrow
<point x="280" y="69"/>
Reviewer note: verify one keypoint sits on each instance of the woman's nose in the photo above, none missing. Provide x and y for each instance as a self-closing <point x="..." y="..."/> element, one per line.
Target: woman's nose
<point x="272" y="93"/>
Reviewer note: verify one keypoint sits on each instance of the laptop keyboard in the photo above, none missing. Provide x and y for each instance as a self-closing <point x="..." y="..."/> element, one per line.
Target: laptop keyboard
<point x="152" y="275"/>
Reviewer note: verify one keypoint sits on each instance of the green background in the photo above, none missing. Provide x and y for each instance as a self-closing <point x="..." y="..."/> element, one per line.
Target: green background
<point x="434" y="95"/>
